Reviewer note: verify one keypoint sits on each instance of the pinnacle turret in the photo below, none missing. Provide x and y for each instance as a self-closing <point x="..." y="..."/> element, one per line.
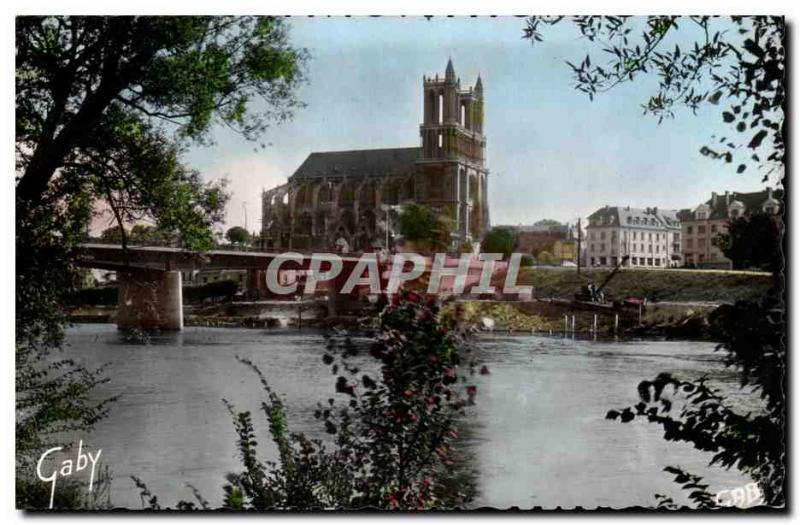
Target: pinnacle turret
<point x="450" y="72"/>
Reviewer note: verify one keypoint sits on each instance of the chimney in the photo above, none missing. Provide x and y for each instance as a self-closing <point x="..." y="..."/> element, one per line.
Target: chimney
<point x="655" y="210"/>
<point x="769" y="192"/>
<point x="727" y="198"/>
<point x="713" y="199"/>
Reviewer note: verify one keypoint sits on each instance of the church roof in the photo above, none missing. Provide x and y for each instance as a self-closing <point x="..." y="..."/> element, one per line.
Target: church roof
<point x="358" y="163"/>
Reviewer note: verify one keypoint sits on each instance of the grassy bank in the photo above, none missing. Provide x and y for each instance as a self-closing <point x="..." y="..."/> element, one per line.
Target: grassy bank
<point x="657" y="285"/>
<point x="671" y="320"/>
<point x="516" y="317"/>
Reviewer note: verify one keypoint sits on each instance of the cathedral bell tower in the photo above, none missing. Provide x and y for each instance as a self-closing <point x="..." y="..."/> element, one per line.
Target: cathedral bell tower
<point x="452" y="164"/>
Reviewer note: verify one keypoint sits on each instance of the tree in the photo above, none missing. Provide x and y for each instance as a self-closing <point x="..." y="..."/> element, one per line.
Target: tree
<point x="238" y="235"/>
<point x="113" y="233"/>
<point x="546" y="258"/>
<point x="498" y="240"/>
<point x="89" y="89"/>
<point x="547" y="222"/>
<point x="753" y="241"/>
<point x="739" y="59"/>
<point x="421" y="225"/>
<point x="105" y="107"/>
<point x="746" y="68"/>
<point x="148" y="234"/>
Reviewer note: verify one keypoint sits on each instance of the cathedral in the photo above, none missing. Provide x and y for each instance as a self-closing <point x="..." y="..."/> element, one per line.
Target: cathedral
<point x="355" y="198"/>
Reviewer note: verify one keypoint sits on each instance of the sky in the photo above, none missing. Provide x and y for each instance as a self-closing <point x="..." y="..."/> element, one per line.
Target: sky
<point x="551" y="152"/>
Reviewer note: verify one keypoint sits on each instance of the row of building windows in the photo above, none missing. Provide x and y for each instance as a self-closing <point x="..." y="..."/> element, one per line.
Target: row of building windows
<point x="701" y="228"/>
<point x="641" y="248"/>
<point x="701" y="243"/>
<point x="635" y="261"/>
<point x="676" y="236"/>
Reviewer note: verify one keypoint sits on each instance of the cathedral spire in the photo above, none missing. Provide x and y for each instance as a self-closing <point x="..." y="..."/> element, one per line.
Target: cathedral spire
<point x="450" y="73"/>
<point x="479" y="85"/>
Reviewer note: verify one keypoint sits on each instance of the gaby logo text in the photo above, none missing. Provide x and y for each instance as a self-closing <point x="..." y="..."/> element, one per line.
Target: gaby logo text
<point x="82" y="461"/>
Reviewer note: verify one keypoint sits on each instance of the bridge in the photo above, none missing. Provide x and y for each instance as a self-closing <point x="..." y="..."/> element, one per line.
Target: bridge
<point x="150" y="279"/>
<point x="150" y="288"/>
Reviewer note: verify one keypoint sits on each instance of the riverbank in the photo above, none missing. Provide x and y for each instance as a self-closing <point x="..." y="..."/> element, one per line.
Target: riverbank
<point x="245" y="314"/>
<point x="674" y="285"/>
<point x="670" y="320"/>
<point x="678" y="305"/>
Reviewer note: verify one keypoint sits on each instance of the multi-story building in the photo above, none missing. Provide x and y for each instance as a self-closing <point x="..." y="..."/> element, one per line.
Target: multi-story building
<point x="533" y="238"/>
<point x="702" y="225"/>
<point x="650" y="237"/>
<point x="565" y="251"/>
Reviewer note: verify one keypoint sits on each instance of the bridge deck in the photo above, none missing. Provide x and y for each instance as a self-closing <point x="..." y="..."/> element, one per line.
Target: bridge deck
<point x="113" y="257"/>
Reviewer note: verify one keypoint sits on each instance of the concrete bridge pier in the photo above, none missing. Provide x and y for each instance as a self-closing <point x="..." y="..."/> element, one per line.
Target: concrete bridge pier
<point x="150" y="300"/>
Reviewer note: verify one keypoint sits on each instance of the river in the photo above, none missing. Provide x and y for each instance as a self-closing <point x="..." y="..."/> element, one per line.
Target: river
<point x="537" y="436"/>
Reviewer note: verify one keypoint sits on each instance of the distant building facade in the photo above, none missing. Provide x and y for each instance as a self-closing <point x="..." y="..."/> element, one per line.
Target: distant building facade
<point x="565" y="251"/>
<point x="702" y="225"/>
<point x="354" y="198"/>
<point x="651" y="237"/>
<point x="533" y="238"/>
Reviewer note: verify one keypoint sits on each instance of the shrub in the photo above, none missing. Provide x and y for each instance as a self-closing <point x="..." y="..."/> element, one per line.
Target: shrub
<point x="498" y="240"/>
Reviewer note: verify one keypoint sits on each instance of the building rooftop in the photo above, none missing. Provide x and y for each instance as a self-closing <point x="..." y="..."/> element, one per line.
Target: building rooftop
<point x="641" y="217"/>
<point x="751" y="201"/>
<point x="369" y="162"/>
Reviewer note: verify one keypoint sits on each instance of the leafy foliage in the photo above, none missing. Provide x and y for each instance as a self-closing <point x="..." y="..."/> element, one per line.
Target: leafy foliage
<point x="753" y="336"/>
<point x="91" y="88"/>
<point x="51" y="394"/>
<point x="423" y="226"/>
<point x="739" y="60"/>
<point x="238" y="235"/>
<point x="71" y="494"/>
<point x="105" y="107"/>
<point x="746" y="68"/>
<point x="698" y="492"/>
<point x="394" y="435"/>
<point x="753" y="241"/>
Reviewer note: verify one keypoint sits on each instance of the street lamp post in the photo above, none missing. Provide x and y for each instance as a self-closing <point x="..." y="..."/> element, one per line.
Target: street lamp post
<point x="579" y="246"/>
